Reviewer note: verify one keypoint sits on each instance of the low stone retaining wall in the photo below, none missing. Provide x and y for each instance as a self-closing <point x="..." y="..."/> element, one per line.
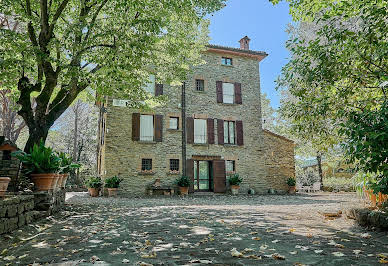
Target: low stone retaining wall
<point x="19" y="210"/>
<point x="370" y="218"/>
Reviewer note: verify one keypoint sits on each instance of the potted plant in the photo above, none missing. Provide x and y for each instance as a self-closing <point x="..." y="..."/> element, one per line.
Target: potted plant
<point x="234" y="181"/>
<point x="66" y="166"/>
<point x="42" y="165"/>
<point x="183" y="183"/>
<point x="4" y="181"/>
<point x="291" y="182"/>
<point x="112" y="184"/>
<point x="94" y="184"/>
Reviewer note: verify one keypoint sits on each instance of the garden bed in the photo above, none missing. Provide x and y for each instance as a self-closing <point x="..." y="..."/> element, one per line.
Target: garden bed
<point x="369" y="218"/>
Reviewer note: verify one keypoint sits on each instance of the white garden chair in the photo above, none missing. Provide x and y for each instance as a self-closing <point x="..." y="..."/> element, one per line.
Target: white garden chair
<point x="316" y="187"/>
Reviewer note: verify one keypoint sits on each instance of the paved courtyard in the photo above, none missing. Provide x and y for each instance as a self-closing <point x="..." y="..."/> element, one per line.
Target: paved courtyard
<point x="220" y="230"/>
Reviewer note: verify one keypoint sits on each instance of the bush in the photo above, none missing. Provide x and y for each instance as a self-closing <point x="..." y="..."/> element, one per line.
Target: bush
<point x="308" y="177"/>
<point x="94" y="182"/>
<point x="67" y="164"/>
<point x="183" y="181"/>
<point x="113" y="182"/>
<point x="291" y="182"/>
<point x="235" y="180"/>
<point x="338" y="184"/>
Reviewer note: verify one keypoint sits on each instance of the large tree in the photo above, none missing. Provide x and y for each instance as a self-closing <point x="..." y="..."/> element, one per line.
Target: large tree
<point x="111" y="46"/>
<point x="340" y="70"/>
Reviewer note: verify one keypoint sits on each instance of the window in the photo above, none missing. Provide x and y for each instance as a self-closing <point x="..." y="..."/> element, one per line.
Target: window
<point x="174" y="123"/>
<point x="199" y="84"/>
<point x="229" y="132"/>
<point x="146" y="128"/>
<point x="146" y="164"/>
<point x="150" y="86"/>
<point x="174" y="165"/>
<point x="226" y="61"/>
<point x="228" y="92"/>
<point x="230" y="166"/>
<point x="200" y="131"/>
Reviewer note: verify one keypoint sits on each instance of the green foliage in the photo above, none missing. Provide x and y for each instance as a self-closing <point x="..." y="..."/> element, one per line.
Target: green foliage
<point x="183" y="181"/>
<point x="338" y="184"/>
<point x="113" y="182"/>
<point x="94" y="182"/>
<point x="67" y="164"/>
<point x="363" y="181"/>
<point x="291" y="182"/>
<point x="381" y="186"/>
<point x="235" y="180"/>
<point x="40" y="160"/>
<point x="367" y="139"/>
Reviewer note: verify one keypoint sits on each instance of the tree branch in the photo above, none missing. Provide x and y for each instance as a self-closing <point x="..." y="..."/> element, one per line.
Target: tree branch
<point x="91" y="25"/>
<point x="57" y="14"/>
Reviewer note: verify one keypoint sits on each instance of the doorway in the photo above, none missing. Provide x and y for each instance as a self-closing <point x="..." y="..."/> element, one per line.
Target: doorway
<point x="202" y="176"/>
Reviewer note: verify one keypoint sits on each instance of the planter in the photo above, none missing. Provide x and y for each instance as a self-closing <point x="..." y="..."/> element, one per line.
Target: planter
<point x="291" y="189"/>
<point x="234" y="189"/>
<point x="44" y="182"/>
<point x="112" y="192"/>
<point x="59" y="182"/>
<point x="64" y="180"/>
<point x="4" y="181"/>
<point x="183" y="190"/>
<point x="93" y="192"/>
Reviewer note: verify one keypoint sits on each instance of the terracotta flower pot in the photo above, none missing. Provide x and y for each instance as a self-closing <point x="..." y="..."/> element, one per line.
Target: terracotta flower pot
<point x="112" y="192"/>
<point x="44" y="182"/>
<point x="184" y="190"/>
<point x="94" y="192"/>
<point x="4" y="181"/>
<point x="64" y="180"/>
<point x="291" y="189"/>
<point x="59" y="182"/>
<point x="234" y="189"/>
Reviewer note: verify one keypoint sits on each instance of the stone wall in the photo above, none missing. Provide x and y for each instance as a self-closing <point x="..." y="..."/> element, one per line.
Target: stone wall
<point x="123" y="156"/>
<point x="9" y="168"/>
<point x="279" y="160"/>
<point x="19" y="210"/>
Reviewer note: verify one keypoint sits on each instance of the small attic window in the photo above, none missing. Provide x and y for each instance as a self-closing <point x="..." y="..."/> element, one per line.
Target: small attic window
<point x="226" y="61"/>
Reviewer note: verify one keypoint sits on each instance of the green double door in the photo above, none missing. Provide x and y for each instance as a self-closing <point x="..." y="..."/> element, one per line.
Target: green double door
<point x="202" y="176"/>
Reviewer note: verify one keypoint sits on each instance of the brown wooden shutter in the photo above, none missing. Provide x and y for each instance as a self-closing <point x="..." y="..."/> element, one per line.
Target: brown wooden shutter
<point x="210" y="131"/>
<point x="135" y="126"/>
<point x="190" y="130"/>
<point x="219" y="176"/>
<point x="219" y="91"/>
<point x="158" y="89"/>
<point x="220" y="131"/>
<point x="240" y="133"/>
<point x="158" y="128"/>
<point x="190" y="173"/>
<point x="237" y="93"/>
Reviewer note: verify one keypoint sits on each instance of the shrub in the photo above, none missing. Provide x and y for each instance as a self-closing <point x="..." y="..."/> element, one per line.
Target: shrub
<point x="235" y="180"/>
<point x="113" y="182"/>
<point x="308" y="177"/>
<point x="291" y="181"/>
<point x="94" y="182"/>
<point x="67" y="164"/>
<point x="183" y="181"/>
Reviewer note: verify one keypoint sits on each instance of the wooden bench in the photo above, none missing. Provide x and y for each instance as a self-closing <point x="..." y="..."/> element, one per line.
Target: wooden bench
<point x="162" y="190"/>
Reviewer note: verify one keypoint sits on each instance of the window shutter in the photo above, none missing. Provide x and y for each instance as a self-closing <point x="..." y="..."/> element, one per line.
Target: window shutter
<point x="240" y="133"/>
<point x="237" y="93"/>
<point x="135" y="126"/>
<point x="190" y="130"/>
<point x="190" y="173"/>
<point x="158" y="89"/>
<point x="219" y="91"/>
<point x="210" y="131"/>
<point x="220" y="131"/>
<point x="158" y="128"/>
<point x="219" y="176"/>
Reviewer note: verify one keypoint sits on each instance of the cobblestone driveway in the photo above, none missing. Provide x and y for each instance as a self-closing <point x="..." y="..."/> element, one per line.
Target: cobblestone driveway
<point x="223" y="230"/>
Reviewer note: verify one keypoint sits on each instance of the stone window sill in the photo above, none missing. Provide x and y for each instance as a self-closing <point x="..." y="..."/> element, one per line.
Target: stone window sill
<point x="173" y="173"/>
<point x="200" y="91"/>
<point x="230" y="104"/>
<point x="173" y="130"/>
<point x="227" y="65"/>
<point x="146" y="142"/>
<point x="200" y="144"/>
<point x="146" y="173"/>
<point x="230" y="145"/>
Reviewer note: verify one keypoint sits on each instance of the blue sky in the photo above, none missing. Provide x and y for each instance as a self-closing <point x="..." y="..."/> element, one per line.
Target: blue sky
<point x="265" y="25"/>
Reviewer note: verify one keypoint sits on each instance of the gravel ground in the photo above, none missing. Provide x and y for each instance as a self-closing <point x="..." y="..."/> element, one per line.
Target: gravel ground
<point x="220" y="230"/>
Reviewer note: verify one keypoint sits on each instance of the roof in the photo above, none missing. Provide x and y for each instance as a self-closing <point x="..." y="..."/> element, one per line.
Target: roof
<point x="277" y="135"/>
<point x="237" y="51"/>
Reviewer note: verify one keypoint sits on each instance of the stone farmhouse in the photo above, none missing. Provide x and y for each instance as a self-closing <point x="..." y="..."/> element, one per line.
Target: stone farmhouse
<point x="209" y="128"/>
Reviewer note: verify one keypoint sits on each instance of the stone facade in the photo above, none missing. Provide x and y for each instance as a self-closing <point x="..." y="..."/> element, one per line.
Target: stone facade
<point x="120" y="155"/>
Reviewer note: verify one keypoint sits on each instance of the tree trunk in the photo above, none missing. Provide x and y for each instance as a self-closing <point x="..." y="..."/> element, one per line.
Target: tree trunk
<point x="75" y="140"/>
<point x="36" y="134"/>
<point x="319" y="160"/>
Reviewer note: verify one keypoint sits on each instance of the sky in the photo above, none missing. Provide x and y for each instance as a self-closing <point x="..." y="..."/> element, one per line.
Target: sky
<point x="265" y="24"/>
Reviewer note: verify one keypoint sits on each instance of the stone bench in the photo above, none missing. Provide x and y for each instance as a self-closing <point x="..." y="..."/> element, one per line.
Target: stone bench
<point x="162" y="190"/>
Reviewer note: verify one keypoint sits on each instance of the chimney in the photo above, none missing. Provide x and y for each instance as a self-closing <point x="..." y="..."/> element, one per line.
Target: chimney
<point x="244" y="43"/>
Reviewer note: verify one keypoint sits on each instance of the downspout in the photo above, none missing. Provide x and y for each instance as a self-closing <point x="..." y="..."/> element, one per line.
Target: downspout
<point x="183" y="117"/>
